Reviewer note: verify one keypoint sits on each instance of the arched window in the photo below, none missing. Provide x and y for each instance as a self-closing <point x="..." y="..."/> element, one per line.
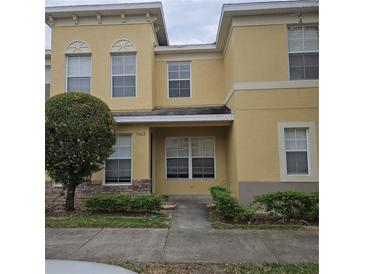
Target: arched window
<point x="77" y="47"/>
<point x="78" y="67"/>
<point x="123" y="58"/>
<point x="123" y="45"/>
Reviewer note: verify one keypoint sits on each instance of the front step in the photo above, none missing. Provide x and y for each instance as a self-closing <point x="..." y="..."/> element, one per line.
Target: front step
<point x="190" y="199"/>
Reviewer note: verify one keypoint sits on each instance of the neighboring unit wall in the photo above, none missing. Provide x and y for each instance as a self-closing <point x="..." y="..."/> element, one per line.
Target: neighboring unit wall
<point x="207" y="81"/>
<point x="186" y="186"/>
<point x="255" y="130"/>
<point x="100" y="40"/>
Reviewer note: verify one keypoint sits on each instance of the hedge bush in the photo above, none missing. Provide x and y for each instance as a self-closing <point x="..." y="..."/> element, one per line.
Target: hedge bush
<point x="124" y="203"/>
<point x="228" y="207"/>
<point x="291" y="205"/>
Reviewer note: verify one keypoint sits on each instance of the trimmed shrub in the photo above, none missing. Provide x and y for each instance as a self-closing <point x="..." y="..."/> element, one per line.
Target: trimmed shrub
<point x="124" y="203"/>
<point x="79" y="137"/>
<point x="228" y="207"/>
<point x="291" y="205"/>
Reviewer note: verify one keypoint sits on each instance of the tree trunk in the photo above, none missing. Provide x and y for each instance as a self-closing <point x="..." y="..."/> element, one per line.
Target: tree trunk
<point x="70" y="197"/>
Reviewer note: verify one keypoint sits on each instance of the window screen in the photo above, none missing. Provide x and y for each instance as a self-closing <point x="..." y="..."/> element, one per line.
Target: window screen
<point x="303" y="44"/>
<point x="47" y="81"/>
<point x="124" y="75"/>
<point x="179" y="80"/>
<point x="78" y="73"/>
<point x="296" y="149"/>
<point x="177" y="157"/>
<point x="118" y="166"/>
<point x="203" y="157"/>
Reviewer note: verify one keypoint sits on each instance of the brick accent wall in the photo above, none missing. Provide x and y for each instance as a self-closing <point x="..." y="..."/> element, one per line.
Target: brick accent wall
<point x="55" y="196"/>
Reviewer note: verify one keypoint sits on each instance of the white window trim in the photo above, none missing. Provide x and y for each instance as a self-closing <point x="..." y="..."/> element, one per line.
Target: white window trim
<point x="190" y="161"/>
<point x="298" y="52"/>
<point x="91" y="70"/>
<point x="111" y="74"/>
<point x="312" y="175"/>
<point x="307" y="150"/>
<point x="104" y="171"/>
<point x="168" y="80"/>
<point x="57" y="185"/>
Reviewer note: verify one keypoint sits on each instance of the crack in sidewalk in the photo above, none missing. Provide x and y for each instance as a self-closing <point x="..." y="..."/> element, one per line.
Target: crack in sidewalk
<point x="97" y="232"/>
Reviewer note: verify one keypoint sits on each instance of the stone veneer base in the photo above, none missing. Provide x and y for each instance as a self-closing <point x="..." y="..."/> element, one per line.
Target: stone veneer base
<point x="55" y="196"/>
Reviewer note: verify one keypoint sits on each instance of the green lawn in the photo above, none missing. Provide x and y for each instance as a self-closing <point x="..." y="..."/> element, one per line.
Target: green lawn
<point x="202" y="268"/>
<point x="104" y="221"/>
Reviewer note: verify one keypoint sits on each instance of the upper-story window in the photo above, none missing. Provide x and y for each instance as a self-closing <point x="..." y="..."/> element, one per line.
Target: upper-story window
<point x="47" y="81"/>
<point x="124" y="75"/>
<point x="303" y="52"/>
<point x="179" y="80"/>
<point x="79" y="73"/>
<point x="124" y="72"/>
<point x="78" y="67"/>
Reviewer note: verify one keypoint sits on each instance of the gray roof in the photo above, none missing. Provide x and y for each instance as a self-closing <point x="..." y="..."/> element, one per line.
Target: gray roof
<point x="211" y="110"/>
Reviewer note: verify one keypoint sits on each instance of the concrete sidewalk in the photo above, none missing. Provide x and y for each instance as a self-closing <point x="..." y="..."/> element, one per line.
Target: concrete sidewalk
<point x="189" y="240"/>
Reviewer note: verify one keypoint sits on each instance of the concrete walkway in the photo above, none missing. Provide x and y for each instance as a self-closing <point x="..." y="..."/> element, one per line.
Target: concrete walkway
<point x="190" y="239"/>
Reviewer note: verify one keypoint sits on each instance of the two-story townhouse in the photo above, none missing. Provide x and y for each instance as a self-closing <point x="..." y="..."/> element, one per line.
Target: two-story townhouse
<point x="241" y="112"/>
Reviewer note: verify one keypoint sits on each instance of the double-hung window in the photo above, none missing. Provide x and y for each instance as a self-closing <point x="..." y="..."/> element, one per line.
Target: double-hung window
<point x="202" y="153"/>
<point x="190" y="157"/>
<point x="47" y="81"/>
<point x="118" y="167"/>
<point x="124" y="75"/>
<point x="79" y="73"/>
<point x="296" y="150"/>
<point x="179" y="80"/>
<point x="303" y="48"/>
<point x="177" y="157"/>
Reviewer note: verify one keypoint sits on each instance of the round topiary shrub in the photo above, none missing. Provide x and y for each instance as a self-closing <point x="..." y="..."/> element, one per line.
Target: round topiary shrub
<point x="79" y="131"/>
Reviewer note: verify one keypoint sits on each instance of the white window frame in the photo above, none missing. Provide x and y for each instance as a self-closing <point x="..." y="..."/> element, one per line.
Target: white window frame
<point x="190" y="79"/>
<point x="49" y="80"/>
<point x="111" y="74"/>
<point x="91" y="69"/>
<point x="307" y="150"/>
<point x="120" y="158"/>
<point x="302" y="51"/>
<point x="190" y="159"/>
<point x="312" y="175"/>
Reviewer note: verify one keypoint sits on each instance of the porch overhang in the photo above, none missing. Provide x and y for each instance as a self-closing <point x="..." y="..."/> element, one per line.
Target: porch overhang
<point x="174" y="118"/>
<point x="168" y="115"/>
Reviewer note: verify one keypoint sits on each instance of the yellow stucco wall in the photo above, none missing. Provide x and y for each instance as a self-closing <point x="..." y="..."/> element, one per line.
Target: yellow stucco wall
<point x="256" y="54"/>
<point x="100" y="40"/>
<point x="207" y="84"/>
<point x="186" y="186"/>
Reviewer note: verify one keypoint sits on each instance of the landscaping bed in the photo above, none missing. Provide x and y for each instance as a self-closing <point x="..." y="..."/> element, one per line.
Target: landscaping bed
<point x="114" y="211"/>
<point x="277" y="210"/>
<point x="203" y="268"/>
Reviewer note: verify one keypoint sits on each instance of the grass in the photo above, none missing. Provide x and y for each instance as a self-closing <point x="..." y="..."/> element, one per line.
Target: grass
<point x="105" y="221"/>
<point x="219" y="225"/>
<point x="249" y="268"/>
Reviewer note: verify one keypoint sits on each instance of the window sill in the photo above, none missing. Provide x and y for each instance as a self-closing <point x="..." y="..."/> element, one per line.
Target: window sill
<point x="116" y="184"/>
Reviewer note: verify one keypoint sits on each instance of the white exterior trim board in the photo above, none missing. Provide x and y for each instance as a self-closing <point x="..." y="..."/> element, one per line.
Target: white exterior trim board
<point x="175" y="118"/>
